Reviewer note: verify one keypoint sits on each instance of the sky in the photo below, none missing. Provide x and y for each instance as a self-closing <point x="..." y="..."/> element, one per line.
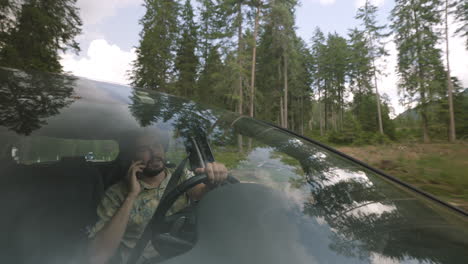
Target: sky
<point x="111" y="33"/>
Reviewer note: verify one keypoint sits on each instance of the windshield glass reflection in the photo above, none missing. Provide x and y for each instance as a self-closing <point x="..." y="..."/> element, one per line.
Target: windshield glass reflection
<point x="356" y="214"/>
<point x="28" y="99"/>
<point x="337" y="210"/>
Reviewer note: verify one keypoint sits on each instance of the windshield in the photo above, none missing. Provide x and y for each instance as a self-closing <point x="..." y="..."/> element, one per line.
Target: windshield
<point x="340" y="211"/>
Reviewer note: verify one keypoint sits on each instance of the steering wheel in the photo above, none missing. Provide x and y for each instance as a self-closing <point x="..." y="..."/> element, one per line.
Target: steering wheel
<point x="163" y="231"/>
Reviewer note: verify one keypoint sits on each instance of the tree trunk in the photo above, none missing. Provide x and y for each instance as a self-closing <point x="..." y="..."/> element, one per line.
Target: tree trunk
<point x="252" y="74"/>
<point x="326" y="110"/>
<point x="278" y="82"/>
<point x="302" y="115"/>
<point x="425" y="127"/>
<point x="341" y="110"/>
<point x="254" y="59"/>
<point x="424" y="119"/>
<point x="334" y="118"/>
<point x="281" y="111"/>
<point x="421" y="84"/>
<point x="377" y="98"/>
<point x="452" y="131"/>
<point x="320" y="113"/>
<point x="285" y="112"/>
<point x="239" y="61"/>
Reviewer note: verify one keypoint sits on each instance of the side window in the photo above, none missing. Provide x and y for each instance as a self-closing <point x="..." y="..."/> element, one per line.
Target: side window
<point x="48" y="149"/>
<point x="176" y="151"/>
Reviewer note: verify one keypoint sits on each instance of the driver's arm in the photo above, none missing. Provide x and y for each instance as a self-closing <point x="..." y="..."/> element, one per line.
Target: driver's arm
<point x="216" y="172"/>
<point x="114" y="213"/>
<point x="112" y="223"/>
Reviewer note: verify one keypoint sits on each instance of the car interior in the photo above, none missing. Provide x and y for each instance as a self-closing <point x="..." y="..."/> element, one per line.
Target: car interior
<point x="52" y="204"/>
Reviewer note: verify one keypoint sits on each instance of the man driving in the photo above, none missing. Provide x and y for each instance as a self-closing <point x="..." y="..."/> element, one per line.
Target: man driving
<point x="129" y="205"/>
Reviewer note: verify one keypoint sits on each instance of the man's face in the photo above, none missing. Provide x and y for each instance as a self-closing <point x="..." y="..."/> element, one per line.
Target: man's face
<point x="151" y="153"/>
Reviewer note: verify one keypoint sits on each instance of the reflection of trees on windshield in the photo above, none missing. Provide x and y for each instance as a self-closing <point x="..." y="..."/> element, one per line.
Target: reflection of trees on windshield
<point x="186" y="117"/>
<point x="366" y="217"/>
<point x="27" y="99"/>
<point x="369" y="217"/>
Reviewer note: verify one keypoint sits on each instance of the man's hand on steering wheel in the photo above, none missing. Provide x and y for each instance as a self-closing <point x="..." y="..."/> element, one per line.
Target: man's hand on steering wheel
<point x="216" y="172"/>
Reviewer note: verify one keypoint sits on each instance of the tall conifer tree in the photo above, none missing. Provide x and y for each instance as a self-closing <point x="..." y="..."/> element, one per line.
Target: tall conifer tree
<point x="374" y="36"/>
<point x="153" y="68"/>
<point x="186" y="62"/>
<point x="461" y="15"/>
<point x="36" y="32"/>
<point x="419" y="60"/>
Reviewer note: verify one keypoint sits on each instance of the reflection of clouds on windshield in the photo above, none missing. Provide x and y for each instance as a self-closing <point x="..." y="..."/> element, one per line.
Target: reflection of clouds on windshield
<point x="376" y="258"/>
<point x="337" y="175"/>
<point x="271" y="171"/>
<point x="318" y="156"/>
<point x="350" y="214"/>
<point x="367" y="208"/>
<point x="296" y="142"/>
<point x="234" y="228"/>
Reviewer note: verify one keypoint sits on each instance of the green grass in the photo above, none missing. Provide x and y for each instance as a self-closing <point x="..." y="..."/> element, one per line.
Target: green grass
<point x="439" y="169"/>
<point x="444" y="176"/>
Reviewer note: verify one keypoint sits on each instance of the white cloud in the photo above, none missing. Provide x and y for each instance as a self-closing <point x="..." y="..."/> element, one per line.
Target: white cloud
<point x="94" y="11"/>
<point x="458" y="55"/>
<point x="326" y="2"/>
<point x="459" y="60"/>
<point x="103" y="61"/>
<point x="388" y="81"/>
<point x="360" y="3"/>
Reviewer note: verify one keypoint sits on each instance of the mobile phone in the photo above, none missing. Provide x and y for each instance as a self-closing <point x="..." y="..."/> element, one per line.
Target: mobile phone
<point x="139" y="175"/>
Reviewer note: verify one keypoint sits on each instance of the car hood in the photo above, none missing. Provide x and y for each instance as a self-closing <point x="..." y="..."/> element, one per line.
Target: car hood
<point x="251" y="223"/>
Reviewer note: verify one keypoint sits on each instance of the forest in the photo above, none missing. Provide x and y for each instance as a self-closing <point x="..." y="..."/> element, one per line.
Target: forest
<point x="245" y="56"/>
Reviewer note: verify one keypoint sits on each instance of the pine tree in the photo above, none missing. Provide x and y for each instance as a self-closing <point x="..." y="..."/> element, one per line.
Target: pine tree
<point x="153" y="68"/>
<point x="186" y="62"/>
<point x="335" y="71"/>
<point x="360" y="65"/>
<point x="300" y="83"/>
<point x="211" y="82"/>
<point x="419" y="60"/>
<point x="374" y="36"/>
<point x="267" y="92"/>
<point x="39" y="31"/>
<point x="257" y="5"/>
<point x="281" y="20"/>
<point x="317" y="70"/>
<point x="211" y="24"/>
<point x="461" y="15"/>
<point x="452" y="130"/>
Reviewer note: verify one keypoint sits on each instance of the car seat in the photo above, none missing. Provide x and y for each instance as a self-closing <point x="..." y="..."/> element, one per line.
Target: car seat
<point x="48" y="207"/>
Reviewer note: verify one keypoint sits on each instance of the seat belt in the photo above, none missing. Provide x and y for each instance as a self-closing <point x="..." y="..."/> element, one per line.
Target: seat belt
<point x="175" y="177"/>
<point x="146" y="235"/>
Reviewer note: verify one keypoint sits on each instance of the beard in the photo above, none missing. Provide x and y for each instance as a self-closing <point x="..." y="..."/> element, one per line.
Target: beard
<point x="151" y="171"/>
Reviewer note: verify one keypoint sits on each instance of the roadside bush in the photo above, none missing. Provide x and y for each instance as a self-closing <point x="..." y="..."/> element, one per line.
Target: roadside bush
<point x="379" y="139"/>
<point x="363" y="138"/>
<point x="358" y="139"/>
<point x="341" y="138"/>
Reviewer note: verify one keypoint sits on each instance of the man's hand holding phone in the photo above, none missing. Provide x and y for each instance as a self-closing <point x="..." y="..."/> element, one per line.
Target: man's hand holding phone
<point x="134" y="187"/>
